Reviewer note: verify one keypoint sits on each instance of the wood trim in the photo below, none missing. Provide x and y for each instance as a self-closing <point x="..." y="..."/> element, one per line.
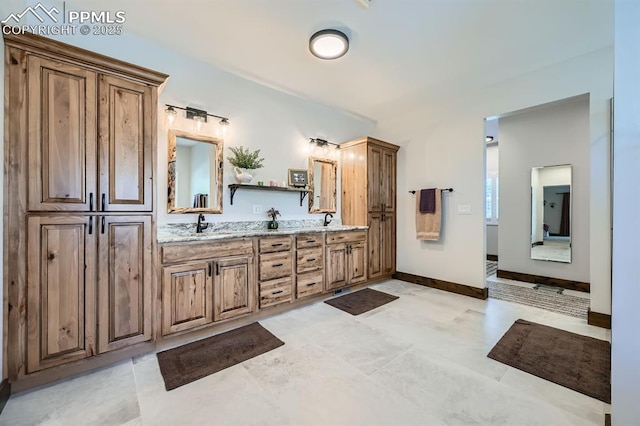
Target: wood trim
<point x="607" y="420"/>
<point x="57" y="50"/>
<point x="537" y="243"/>
<point x="5" y="393"/>
<point x="492" y="257"/>
<point x="369" y="139"/>
<point x="599" y="320"/>
<point x="538" y="279"/>
<point x="465" y="290"/>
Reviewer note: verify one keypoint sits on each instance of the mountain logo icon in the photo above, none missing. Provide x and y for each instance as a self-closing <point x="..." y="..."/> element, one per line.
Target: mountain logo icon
<point x="39" y="11"/>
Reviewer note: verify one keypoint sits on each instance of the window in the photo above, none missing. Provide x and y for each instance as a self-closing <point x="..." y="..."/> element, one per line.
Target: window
<point x="491" y="199"/>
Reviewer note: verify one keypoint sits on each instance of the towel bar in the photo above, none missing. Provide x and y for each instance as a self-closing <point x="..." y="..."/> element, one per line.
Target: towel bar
<point x="441" y="189"/>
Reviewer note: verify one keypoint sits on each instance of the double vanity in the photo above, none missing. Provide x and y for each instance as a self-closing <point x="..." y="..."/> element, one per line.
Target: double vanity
<point x="222" y="273"/>
<point x="90" y="278"/>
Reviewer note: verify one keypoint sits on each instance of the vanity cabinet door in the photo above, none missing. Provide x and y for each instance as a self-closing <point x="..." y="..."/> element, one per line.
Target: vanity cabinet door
<point x="187" y="296"/>
<point x="61" y="136"/>
<point x="126" y="113"/>
<point x="375" y="238"/>
<point x="233" y="293"/>
<point x="356" y="267"/>
<point x="124" y="281"/>
<point x="336" y="266"/>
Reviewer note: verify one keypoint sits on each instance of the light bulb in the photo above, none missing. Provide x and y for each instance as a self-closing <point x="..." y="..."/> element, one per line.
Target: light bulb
<point x="198" y="122"/>
<point x="171" y="114"/>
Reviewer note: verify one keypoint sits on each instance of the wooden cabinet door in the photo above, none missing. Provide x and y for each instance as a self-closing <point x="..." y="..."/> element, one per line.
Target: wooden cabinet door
<point x="388" y="246"/>
<point x="62" y="137"/>
<point x="388" y="180"/>
<point x="61" y="278"/>
<point x="357" y="261"/>
<point x="125" y="117"/>
<point x="187" y="296"/>
<point x="233" y="289"/>
<point x="124" y="281"/>
<point x="336" y="264"/>
<point x="374" y="237"/>
<point x="374" y="178"/>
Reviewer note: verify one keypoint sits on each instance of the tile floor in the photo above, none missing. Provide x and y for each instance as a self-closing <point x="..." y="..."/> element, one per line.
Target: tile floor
<point x="418" y="360"/>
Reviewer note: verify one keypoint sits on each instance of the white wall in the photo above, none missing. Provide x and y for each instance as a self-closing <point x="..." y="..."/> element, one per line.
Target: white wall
<point x="625" y="346"/>
<point x="443" y="145"/>
<point x="277" y="123"/>
<point x="554" y="134"/>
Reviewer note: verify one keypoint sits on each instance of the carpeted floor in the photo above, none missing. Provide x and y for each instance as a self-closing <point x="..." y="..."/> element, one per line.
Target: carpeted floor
<point x="550" y="300"/>
<point x="492" y="267"/>
<point x="540" y="298"/>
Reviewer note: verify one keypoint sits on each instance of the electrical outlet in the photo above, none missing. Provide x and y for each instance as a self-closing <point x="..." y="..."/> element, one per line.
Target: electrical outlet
<point x="464" y="209"/>
<point x="257" y="209"/>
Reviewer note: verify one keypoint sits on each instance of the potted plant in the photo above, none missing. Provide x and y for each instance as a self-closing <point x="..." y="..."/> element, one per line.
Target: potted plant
<point x="273" y="214"/>
<point x="244" y="160"/>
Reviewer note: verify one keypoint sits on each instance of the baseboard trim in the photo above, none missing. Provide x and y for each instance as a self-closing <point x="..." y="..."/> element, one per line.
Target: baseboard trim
<point x="493" y="257"/>
<point x="599" y="320"/>
<point x="465" y="290"/>
<point x="5" y="393"/>
<point x="538" y="279"/>
<point x="537" y="243"/>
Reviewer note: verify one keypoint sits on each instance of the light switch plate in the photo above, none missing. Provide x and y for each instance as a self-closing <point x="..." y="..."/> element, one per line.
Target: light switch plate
<point x="464" y="209"/>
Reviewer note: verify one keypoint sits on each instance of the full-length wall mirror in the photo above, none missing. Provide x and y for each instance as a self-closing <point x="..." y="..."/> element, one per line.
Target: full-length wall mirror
<point x="322" y="185"/>
<point x="195" y="173"/>
<point x="551" y="213"/>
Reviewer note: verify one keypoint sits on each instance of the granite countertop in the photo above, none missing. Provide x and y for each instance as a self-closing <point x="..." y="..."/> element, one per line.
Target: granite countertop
<point x="174" y="233"/>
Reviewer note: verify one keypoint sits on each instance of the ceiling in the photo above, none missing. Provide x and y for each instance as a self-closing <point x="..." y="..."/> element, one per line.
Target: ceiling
<point x="402" y="52"/>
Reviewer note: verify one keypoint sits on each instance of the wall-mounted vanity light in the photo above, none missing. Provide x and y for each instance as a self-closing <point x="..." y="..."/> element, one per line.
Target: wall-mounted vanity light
<point x="199" y="116"/>
<point x="324" y="146"/>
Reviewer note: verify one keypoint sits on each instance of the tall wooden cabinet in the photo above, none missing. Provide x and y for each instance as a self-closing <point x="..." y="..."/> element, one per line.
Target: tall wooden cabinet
<point x="80" y="132"/>
<point x="368" y="169"/>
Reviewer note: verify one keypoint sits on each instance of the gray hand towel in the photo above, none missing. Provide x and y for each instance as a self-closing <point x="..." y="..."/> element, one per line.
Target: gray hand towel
<point x="428" y="200"/>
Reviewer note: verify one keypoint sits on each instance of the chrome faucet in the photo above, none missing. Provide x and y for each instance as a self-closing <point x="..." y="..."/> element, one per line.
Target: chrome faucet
<point x="327" y="221"/>
<point x="201" y="226"/>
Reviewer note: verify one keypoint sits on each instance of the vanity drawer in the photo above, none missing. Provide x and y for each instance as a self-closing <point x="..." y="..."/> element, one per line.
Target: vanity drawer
<point x="309" y="284"/>
<point x="309" y="260"/>
<point x="180" y="252"/>
<point x="275" y="265"/>
<point x="275" y="292"/>
<point x="346" y="237"/>
<point x="308" y="240"/>
<point x="273" y="244"/>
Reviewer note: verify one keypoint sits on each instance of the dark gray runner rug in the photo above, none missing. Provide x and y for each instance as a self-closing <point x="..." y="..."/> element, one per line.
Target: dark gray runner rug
<point x="196" y="360"/>
<point x="571" y="360"/>
<point x="551" y="301"/>
<point x="361" y="301"/>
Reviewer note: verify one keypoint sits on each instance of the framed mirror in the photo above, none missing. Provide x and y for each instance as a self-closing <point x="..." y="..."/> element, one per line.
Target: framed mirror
<point x="195" y="173"/>
<point x="322" y="185"/>
<point x="551" y="213"/>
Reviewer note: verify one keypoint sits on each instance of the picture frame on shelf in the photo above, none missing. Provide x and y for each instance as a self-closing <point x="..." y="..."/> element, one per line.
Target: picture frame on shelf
<point x="298" y="178"/>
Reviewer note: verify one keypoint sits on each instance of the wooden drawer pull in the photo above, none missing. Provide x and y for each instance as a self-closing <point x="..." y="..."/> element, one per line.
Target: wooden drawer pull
<point x="277" y="292"/>
<point x="277" y="245"/>
<point x="276" y="265"/>
<point x="311" y="259"/>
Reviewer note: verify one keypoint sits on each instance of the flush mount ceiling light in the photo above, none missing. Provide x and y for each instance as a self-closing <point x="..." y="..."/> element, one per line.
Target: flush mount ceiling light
<point x="329" y="44"/>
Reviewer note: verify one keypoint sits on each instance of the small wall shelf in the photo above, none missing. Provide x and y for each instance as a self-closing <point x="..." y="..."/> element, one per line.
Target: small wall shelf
<point x="235" y="186"/>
